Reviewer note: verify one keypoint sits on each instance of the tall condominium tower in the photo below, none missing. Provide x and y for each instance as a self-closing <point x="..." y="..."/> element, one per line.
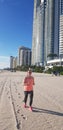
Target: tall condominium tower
<point x="61" y="30"/>
<point x="37" y="33"/>
<point x="51" y="39"/>
<point x="49" y="28"/>
<point x="45" y="30"/>
<point x="13" y="62"/>
<point x="24" y="56"/>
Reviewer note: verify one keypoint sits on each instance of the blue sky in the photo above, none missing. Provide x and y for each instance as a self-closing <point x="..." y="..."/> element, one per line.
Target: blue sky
<point x="16" y="23"/>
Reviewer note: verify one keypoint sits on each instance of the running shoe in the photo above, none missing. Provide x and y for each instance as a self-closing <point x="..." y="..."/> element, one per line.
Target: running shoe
<point x="30" y="108"/>
<point x="24" y="105"/>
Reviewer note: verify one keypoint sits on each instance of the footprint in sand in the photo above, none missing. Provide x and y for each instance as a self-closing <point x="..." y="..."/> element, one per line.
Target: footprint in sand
<point x="18" y="110"/>
<point x="24" y="117"/>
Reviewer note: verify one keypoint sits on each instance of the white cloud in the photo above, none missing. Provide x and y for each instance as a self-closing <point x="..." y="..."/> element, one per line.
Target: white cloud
<point x="4" y="62"/>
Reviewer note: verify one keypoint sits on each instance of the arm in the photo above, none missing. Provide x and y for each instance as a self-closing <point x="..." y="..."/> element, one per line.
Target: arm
<point x="25" y="83"/>
<point x="33" y="81"/>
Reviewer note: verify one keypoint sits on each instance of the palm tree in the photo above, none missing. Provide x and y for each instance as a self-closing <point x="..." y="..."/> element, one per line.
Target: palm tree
<point x="52" y="55"/>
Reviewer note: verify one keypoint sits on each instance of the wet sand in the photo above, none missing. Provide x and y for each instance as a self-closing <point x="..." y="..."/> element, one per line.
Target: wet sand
<point x="47" y="111"/>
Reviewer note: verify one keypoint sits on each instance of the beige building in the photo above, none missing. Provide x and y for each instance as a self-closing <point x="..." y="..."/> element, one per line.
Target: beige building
<point x="13" y="62"/>
<point x="24" y="56"/>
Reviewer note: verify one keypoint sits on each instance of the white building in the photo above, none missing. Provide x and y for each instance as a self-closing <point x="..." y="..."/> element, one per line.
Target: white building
<point x="56" y="62"/>
<point x="13" y="62"/>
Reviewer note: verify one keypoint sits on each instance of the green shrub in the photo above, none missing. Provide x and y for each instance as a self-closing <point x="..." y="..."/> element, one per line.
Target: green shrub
<point x="61" y="73"/>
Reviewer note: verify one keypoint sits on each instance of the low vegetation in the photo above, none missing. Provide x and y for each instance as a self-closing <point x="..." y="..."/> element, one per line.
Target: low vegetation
<point x="39" y="69"/>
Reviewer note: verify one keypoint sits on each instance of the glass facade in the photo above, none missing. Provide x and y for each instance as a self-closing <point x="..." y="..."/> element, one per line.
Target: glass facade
<point x="61" y="30"/>
<point x="61" y="7"/>
<point x="45" y="38"/>
<point x="38" y="33"/>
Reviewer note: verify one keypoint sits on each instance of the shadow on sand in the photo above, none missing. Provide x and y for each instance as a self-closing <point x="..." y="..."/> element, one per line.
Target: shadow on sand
<point x="47" y="111"/>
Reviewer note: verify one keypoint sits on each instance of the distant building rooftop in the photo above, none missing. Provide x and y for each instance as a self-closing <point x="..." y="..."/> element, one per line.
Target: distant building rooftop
<point x="22" y="47"/>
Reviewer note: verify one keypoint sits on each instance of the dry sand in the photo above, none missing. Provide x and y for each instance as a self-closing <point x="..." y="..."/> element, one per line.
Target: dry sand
<point x="47" y="111"/>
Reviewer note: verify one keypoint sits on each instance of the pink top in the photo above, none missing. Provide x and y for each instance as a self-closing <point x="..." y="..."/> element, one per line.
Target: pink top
<point x="28" y="83"/>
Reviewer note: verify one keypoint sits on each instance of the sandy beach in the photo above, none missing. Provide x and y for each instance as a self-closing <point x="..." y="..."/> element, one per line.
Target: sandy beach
<point x="47" y="111"/>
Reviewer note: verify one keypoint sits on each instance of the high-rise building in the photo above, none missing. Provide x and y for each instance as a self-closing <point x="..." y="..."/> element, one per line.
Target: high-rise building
<point x="56" y="27"/>
<point x="45" y="39"/>
<point x="24" y="56"/>
<point x="13" y="62"/>
<point x="51" y="42"/>
<point x="37" y="40"/>
<point x="61" y="30"/>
